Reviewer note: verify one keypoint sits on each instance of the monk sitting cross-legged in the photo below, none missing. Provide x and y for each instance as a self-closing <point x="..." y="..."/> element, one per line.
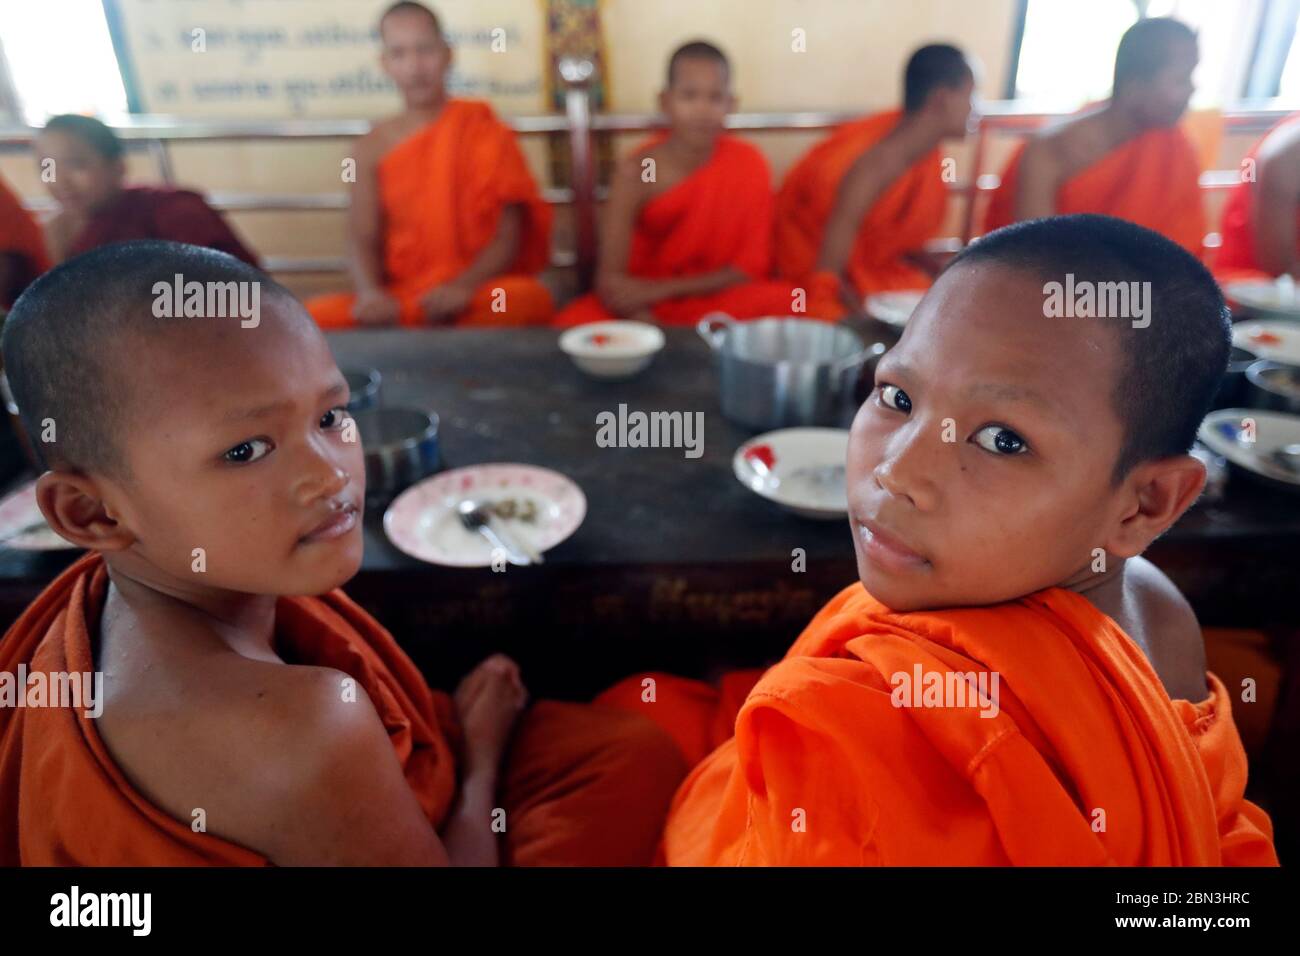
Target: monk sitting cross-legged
<point x="22" y="248"/>
<point x="1009" y="682"/>
<point x="446" y="224"/>
<point x="1127" y="157"/>
<point x="688" y="226"/>
<point x="862" y="204"/>
<point x="248" y="712"/>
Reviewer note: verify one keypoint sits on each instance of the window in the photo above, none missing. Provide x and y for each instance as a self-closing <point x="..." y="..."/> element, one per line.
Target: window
<point x="60" y="59"/>
<point x="1066" y="54"/>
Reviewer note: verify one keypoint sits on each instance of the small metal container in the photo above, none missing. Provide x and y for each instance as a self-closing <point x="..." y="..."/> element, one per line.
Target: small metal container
<point x="1273" y="385"/>
<point x="783" y="372"/>
<point x="401" y="447"/>
<point x="1232" y="389"/>
<point x="364" y="385"/>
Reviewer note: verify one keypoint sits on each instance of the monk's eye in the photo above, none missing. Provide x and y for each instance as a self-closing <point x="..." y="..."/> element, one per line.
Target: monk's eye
<point x="334" y="419"/>
<point x="248" y="451"/>
<point x="1000" y="441"/>
<point x="895" y="398"/>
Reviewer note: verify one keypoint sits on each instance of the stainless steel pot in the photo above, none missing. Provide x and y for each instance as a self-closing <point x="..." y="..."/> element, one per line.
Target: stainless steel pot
<point x="401" y="447"/>
<point x="364" y="385"/>
<point x="786" y="372"/>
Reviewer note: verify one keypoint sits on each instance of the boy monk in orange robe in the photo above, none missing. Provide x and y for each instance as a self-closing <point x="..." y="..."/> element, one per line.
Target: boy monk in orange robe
<point x="1261" y="219"/>
<point x="97" y="208"/>
<point x="1009" y="682"/>
<point x="446" y="224"/>
<point x="688" y="226"/>
<point x="1126" y="157"/>
<point x="22" y="248"/>
<point x="208" y="465"/>
<point x="862" y="204"/>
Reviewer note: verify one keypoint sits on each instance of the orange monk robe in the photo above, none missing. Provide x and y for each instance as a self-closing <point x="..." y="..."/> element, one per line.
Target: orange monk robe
<point x="1085" y="759"/>
<point x="21" y="238"/>
<point x="717" y="217"/>
<point x="582" y="784"/>
<point x="907" y="214"/>
<point x="1236" y="257"/>
<point x="442" y="191"/>
<point x="1152" y="180"/>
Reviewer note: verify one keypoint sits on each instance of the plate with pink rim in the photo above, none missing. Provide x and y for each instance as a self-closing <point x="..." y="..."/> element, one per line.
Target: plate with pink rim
<point x="23" y="527"/>
<point x="536" y="506"/>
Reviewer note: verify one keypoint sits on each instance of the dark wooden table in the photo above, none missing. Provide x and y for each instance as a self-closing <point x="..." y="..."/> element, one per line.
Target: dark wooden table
<point x="677" y="566"/>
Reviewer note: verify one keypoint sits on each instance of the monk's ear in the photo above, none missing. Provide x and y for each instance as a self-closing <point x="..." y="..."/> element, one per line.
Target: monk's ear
<point x="1156" y="495"/>
<point x="663" y="101"/>
<point x="733" y="103"/>
<point x="73" y="506"/>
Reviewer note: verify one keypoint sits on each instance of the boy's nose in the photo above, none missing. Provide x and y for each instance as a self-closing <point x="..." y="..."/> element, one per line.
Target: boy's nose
<point x="321" y="478"/>
<point x="907" y="470"/>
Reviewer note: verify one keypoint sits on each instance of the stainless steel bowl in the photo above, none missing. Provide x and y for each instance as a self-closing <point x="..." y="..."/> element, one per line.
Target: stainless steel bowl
<point x="401" y="447"/>
<point x="364" y="385"/>
<point x="1273" y="385"/>
<point x="1232" y="388"/>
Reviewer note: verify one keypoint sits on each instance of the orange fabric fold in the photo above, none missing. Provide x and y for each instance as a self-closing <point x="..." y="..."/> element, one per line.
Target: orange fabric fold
<point x="583" y="785"/>
<point x="717" y="217"/>
<point x="21" y="237"/>
<point x="1152" y="180"/>
<point x="908" y="214"/>
<point x="1085" y="760"/>
<point x="442" y="191"/>
<point x="1236" y="256"/>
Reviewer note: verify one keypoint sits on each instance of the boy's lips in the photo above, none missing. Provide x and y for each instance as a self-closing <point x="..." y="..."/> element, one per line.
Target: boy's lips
<point x="339" y="522"/>
<point x="885" y="550"/>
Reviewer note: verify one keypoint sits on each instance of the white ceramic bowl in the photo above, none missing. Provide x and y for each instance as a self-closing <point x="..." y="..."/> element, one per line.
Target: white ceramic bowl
<point x="614" y="349"/>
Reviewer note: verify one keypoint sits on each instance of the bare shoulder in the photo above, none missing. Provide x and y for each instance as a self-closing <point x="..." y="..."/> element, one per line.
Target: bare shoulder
<point x="1171" y="635"/>
<point x="383" y="136"/>
<point x="243" y="745"/>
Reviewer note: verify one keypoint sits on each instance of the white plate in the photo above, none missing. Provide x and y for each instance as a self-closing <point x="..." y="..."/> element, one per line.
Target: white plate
<point x="423" y="521"/>
<point x="801" y="469"/>
<point x="893" y="308"/>
<point x="1273" y="430"/>
<point x="1279" y="341"/>
<point x="1269" y="299"/>
<point x="19" y="510"/>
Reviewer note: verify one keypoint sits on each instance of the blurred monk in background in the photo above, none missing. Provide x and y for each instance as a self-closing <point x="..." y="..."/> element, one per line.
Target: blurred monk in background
<point x="688" y="226"/>
<point x="862" y="203"/>
<point x="1261" y="219"/>
<point x="447" y="225"/>
<point x="22" y="248"/>
<point x="1125" y="157"/>
<point x="96" y="208"/>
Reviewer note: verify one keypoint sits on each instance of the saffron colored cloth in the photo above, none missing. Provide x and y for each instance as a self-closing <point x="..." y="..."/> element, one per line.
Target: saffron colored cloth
<point x="1152" y="180"/>
<point x="905" y="216"/>
<point x="145" y="212"/>
<point x="582" y="785"/>
<point x="21" y="238"/>
<point x="442" y="191"/>
<point x="1085" y="759"/>
<point x="719" y="216"/>
<point x="1236" y="256"/>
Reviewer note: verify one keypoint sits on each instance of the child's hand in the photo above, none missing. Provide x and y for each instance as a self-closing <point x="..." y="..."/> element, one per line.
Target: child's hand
<point x="488" y="701"/>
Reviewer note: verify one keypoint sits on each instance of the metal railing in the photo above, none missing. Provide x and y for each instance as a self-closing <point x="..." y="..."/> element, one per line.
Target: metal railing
<point x="156" y="133"/>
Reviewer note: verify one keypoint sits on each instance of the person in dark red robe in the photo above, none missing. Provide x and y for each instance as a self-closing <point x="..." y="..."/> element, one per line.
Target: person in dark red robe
<point x="82" y="160"/>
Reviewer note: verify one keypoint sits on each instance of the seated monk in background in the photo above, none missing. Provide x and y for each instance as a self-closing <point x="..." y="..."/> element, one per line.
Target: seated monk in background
<point x="446" y="224"/>
<point x="1009" y="682"/>
<point x="1261" y="219"/>
<point x="250" y="713"/>
<point x="95" y="208"/>
<point x="22" y="248"/>
<point x="688" y="226"/>
<point x="863" y="203"/>
<point x="1126" y="157"/>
